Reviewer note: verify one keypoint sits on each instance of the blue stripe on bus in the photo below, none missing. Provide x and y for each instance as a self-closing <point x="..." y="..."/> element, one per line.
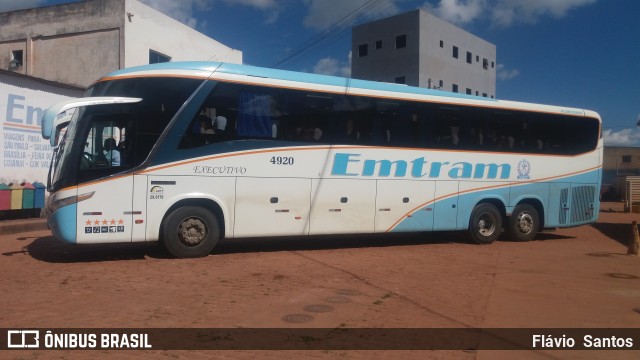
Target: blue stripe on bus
<point x="510" y="196"/>
<point x="63" y="223"/>
<point x="183" y="65"/>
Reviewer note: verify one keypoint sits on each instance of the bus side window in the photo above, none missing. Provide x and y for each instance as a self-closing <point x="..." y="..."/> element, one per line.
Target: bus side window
<point x="426" y="125"/>
<point x="312" y="117"/>
<point x="216" y="118"/>
<point x="403" y="129"/>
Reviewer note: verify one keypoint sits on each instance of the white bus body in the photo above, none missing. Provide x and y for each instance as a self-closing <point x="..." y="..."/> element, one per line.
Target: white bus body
<point x="307" y="154"/>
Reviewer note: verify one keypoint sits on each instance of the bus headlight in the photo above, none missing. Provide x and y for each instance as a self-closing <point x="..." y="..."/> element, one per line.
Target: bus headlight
<point x="56" y="204"/>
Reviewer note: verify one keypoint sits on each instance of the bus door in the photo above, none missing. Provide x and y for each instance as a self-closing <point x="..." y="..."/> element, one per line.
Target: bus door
<point x="271" y="207"/>
<point x="342" y="206"/>
<point x="404" y="205"/>
<point x="108" y="215"/>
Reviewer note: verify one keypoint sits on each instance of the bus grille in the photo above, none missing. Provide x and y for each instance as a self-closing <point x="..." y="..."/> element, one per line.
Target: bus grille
<point x="564" y="198"/>
<point x="582" y="199"/>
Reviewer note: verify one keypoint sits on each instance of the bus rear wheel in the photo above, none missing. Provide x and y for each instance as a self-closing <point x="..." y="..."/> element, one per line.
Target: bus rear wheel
<point x="523" y="223"/>
<point x="190" y="231"/>
<point x="485" y="224"/>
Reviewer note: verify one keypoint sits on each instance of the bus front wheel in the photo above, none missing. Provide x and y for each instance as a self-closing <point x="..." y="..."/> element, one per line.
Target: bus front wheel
<point x="190" y="231"/>
<point x="485" y="224"/>
<point x="523" y="223"/>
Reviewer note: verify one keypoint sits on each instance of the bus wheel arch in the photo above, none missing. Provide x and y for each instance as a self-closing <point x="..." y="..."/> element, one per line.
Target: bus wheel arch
<point x="192" y="227"/>
<point x="525" y="220"/>
<point x="485" y="222"/>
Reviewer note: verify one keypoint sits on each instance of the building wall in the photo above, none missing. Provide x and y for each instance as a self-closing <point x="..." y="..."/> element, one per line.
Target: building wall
<point x="77" y="43"/>
<point x="79" y="59"/>
<point x="437" y="63"/>
<point x="24" y="155"/>
<point x="620" y="161"/>
<point x="70" y="43"/>
<point x="147" y="29"/>
<point x="424" y="59"/>
<point x="387" y="63"/>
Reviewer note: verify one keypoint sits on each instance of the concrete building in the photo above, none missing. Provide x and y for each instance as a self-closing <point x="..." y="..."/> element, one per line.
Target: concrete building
<point x="79" y="42"/>
<point x="53" y="53"/>
<point x="619" y="162"/>
<point x="419" y="49"/>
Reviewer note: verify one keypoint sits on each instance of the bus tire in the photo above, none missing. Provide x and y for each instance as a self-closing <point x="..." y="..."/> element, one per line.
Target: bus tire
<point x="523" y="223"/>
<point x="190" y="231"/>
<point x="485" y="224"/>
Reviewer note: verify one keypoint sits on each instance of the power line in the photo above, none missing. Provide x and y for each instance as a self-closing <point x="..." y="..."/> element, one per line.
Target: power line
<point x="321" y="36"/>
<point x="336" y="30"/>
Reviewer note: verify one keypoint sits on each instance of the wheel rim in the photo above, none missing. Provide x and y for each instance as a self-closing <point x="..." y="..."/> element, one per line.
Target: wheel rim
<point x="524" y="222"/>
<point x="192" y="231"/>
<point x="486" y="225"/>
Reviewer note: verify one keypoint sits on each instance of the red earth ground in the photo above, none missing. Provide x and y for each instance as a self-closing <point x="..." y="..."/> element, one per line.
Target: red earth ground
<point x="569" y="278"/>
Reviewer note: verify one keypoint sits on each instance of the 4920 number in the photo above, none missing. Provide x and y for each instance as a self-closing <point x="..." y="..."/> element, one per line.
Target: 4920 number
<point x="281" y="160"/>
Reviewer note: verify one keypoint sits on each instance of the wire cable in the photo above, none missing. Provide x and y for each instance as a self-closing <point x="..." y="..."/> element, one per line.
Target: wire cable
<point x="336" y="30"/>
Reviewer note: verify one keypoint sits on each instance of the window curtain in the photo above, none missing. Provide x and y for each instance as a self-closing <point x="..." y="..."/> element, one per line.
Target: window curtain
<point x="255" y="118"/>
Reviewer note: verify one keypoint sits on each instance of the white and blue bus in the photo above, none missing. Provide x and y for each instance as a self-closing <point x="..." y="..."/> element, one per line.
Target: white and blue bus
<point x="205" y="151"/>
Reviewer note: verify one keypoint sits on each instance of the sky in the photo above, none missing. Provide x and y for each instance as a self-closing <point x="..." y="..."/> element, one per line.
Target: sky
<point x="575" y="53"/>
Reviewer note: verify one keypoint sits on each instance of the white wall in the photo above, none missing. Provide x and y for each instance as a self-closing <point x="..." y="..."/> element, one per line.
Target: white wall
<point x="149" y="29"/>
<point x="24" y="155"/>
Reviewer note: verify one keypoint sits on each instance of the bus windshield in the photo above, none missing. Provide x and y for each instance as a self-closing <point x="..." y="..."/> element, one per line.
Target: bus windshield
<point x="103" y="140"/>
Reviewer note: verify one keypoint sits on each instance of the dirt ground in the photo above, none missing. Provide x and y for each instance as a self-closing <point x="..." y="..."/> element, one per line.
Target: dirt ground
<point x="570" y="278"/>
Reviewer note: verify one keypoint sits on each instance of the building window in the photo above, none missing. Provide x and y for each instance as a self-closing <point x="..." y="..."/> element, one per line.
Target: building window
<point x="626" y="158"/>
<point x="485" y="64"/>
<point x="477" y="58"/>
<point x="469" y="91"/>
<point x="477" y="93"/>
<point x="455" y="52"/>
<point x="378" y="44"/>
<point x="401" y="41"/>
<point x="155" y="57"/>
<point x="401" y="80"/>
<point x="363" y="50"/>
<point x="454" y="88"/>
<point x="493" y="65"/>
<point x="484" y="94"/>
<point x="441" y="44"/>
<point x="469" y="58"/>
<point x="16" y="59"/>
<point x="440" y="84"/>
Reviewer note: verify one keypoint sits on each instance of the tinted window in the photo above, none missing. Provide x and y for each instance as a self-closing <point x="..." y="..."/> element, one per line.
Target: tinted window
<point x="253" y="112"/>
<point x="128" y="132"/>
<point x="511" y="131"/>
